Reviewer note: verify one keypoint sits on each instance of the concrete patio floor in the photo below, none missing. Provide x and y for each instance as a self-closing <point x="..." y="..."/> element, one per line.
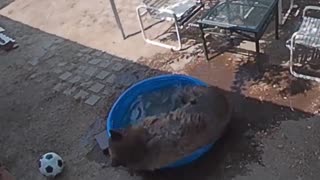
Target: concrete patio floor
<point x="90" y="23"/>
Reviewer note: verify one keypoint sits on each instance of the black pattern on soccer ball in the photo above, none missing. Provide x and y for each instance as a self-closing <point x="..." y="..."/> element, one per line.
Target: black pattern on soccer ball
<point x="49" y="156"/>
<point x="60" y="163"/>
<point x="49" y="169"/>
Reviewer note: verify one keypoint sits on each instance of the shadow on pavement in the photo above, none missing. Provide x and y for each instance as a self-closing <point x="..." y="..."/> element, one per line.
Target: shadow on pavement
<point x="4" y="3"/>
<point x="239" y="147"/>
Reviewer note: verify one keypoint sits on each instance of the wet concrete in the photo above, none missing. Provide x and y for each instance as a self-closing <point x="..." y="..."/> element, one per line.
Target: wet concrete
<point x="247" y="77"/>
<point x="263" y="99"/>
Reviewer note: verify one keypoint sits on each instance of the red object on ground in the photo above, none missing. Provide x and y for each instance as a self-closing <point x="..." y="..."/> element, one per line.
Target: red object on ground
<point x="5" y="174"/>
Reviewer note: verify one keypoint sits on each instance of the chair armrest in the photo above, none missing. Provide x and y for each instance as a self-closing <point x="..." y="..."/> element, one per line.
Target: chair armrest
<point x="307" y="8"/>
<point x="144" y="6"/>
<point x="166" y="11"/>
<point x="290" y="42"/>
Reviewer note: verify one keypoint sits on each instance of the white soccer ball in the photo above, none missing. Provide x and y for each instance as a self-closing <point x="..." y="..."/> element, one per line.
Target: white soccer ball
<point x="50" y="164"/>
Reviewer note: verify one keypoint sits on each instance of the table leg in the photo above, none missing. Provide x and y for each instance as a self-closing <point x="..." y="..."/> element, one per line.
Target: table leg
<point x="205" y="48"/>
<point x="280" y="15"/>
<point x="277" y="23"/>
<point x="116" y="15"/>
<point x="257" y="43"/>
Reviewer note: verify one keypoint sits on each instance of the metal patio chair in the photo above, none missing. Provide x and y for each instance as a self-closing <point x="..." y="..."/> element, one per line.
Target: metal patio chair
<point x="7" y="43"/>
<point x="4" y="39"/>
<point x="180" y="12"/>
<point x="284" y="17"/>
<point x="308" y="35"/>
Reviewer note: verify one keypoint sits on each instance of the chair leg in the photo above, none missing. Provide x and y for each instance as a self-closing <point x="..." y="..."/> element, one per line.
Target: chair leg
<point x="291" y="57"/>
<point x="177" y="48"/>
<point x="283" y="19"/>
<point x="146" y="39"/>
<point x="277" y="24"/>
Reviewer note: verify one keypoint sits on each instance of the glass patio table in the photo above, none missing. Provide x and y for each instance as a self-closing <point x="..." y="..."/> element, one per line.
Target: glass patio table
<point x="247" y="18"/>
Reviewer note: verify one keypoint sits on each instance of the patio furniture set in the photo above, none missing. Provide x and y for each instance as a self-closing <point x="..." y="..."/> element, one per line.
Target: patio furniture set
<point x="248" y="19"/>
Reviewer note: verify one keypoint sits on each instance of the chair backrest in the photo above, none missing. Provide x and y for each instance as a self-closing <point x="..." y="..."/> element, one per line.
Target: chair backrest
<point x="164" y="3"/>
<point x="156" y="3"/>
<point x="179" y="7"/>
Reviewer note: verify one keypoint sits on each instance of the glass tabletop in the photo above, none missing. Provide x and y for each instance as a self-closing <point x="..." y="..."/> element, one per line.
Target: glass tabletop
<point x="240" y="14"/>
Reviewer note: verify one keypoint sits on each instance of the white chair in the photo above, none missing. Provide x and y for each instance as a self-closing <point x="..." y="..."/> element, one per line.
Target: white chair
<point x="7" y="43"/>
<point x="283" y="18"/>
<point x="308" y="35"/>
<point x="4" y="39"/>
<point x="180" y="12"/>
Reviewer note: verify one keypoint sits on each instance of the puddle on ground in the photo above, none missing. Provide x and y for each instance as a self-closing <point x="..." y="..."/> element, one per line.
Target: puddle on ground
<point x="97" y="155"/>
<point x="94" y="152"/>
<point x="244" y="76"/>
<point x="88" y="139"/>
<point x="262" y="99"/>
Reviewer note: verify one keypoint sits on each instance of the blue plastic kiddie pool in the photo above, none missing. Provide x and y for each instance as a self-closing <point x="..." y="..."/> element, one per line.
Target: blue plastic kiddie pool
<point x="116" y="116"/>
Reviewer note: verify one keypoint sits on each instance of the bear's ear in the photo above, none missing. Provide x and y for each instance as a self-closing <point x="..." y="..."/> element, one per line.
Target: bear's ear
<point x="115" y="135"/>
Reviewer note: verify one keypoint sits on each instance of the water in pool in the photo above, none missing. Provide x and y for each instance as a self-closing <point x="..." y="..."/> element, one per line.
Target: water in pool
<point x="154" y="103"/>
